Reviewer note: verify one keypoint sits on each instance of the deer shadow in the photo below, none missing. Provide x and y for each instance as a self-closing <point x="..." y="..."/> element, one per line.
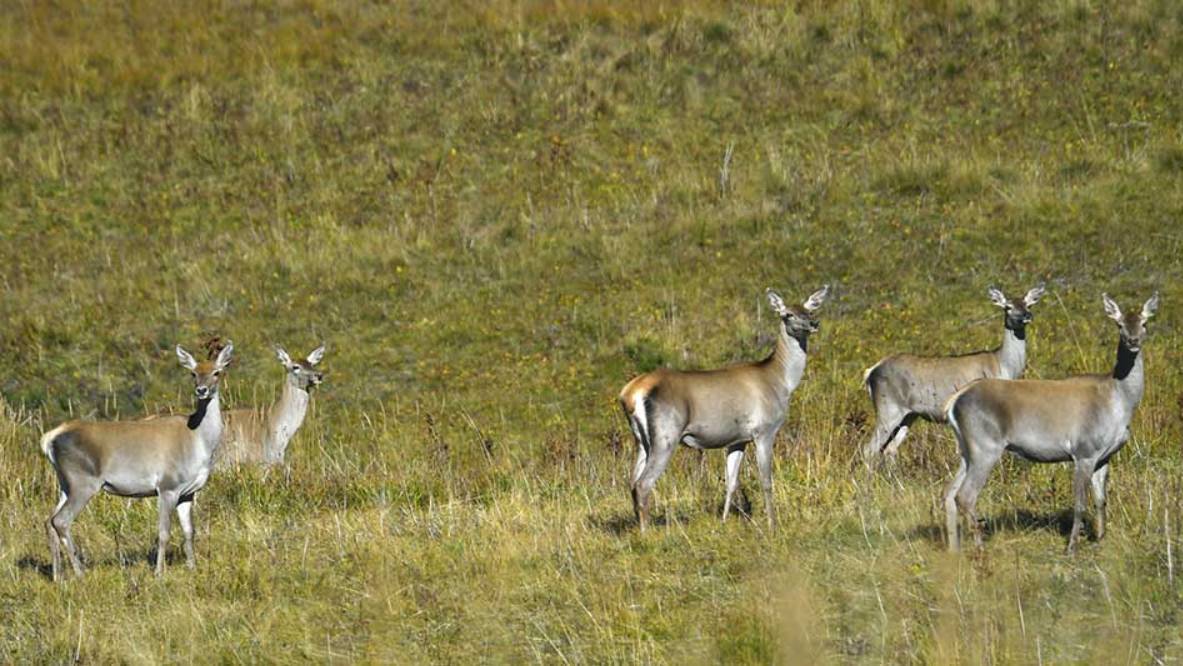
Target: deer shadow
<point x="1018" y="520"/>
<point x="126" y="557"/>
<point x="123" y="558"/>
<point x="35" y="564"/>
<point x="1022" y="520"/>
<point x="619" y="524"/>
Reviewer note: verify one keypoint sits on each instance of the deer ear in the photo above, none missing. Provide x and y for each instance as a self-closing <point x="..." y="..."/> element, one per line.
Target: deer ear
<point x="816" y="299"/>
<point x="282" y="355"/>
<point x="1111" y="308"/>
<point x="997" y="297"/>
<point x="1034" y="295"/>
<point x="777" y="303"/>
<point x="223" y="359"/>
<point x="186" y="358"/>
<point x="1150" y="307"/>
<point x="316" y="355"/>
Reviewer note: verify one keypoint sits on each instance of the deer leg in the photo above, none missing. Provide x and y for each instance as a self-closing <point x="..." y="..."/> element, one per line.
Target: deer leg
<point x="76" y="498"/>
<point x="977" y="472"/>
<point x="734" y="460"/>
<point x="165" y="505"/>
<point x="185" y="516"/>
<point x="1080" y="484"/>
<point x="888" y="418"/>
<point x="55" y="541"/>
<point x="901" y="431"/>
<point x="642" y="457"/>
<point x="639" y="465"/>
<point x="764" y="461"/>
<point x="1099" y="479"/>
<point x="951" y="534"/>
<point x="659" y="456"/>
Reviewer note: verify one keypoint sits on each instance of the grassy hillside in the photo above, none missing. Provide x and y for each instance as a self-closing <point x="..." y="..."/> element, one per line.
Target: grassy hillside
<point x="495" y="213"/>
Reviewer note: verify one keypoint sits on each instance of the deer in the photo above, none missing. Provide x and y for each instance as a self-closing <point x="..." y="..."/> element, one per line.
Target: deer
<point x="168" y="457"/>
<point x="725" y="408"/>
<point x="904" y="387"/>
<point x="262" y="437"/>
<point x="1084" y="420"/>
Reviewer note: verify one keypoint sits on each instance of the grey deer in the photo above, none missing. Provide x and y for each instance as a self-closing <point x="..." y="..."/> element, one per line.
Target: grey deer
<point x="904" y="387"/>
<point x="1084" y="420"/>
<point x="724" y="408"/>
<point x="262" y="437"/>
<point x="167" y="457"/>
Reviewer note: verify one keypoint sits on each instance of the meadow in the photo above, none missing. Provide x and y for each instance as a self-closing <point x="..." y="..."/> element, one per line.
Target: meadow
<point x="494" y="214"/>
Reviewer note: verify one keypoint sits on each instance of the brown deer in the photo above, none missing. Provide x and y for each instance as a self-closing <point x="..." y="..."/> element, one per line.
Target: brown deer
<point x="167" y="457"/>
<point x="725" y="408"/>
<point x="904" y="387"/>
<point x="262" y="436"/>
<point x="1084" y="420"/>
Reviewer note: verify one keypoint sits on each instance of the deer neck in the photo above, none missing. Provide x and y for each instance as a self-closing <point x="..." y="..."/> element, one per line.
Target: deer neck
<point x="206" y="423"/>
<point x="1128" y="375"/>
<point x="788" y="361"/>
<point x="284" y="420"/>
<point x="1012" y="355"/>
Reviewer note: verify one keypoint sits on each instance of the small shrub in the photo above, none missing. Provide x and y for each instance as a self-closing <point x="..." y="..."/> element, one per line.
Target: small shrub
<point x="645" y="355"/>
<point x="1170" y="159"/>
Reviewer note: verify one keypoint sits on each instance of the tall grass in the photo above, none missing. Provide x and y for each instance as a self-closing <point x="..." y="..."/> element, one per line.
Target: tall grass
<point x="495" y="214"/>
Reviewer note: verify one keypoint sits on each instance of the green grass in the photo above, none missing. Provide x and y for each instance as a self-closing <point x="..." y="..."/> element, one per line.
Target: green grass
<point x="495" y="214"/>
